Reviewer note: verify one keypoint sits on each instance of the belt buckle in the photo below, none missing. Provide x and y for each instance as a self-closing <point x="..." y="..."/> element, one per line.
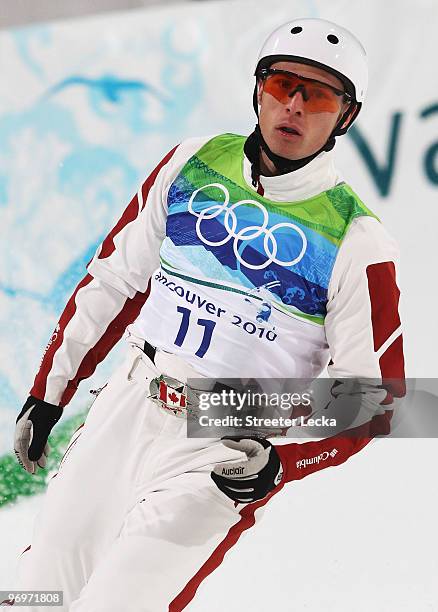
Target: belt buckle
<point x="172" y="395"/>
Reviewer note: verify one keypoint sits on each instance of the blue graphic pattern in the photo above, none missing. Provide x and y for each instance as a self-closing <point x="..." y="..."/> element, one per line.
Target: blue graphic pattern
<point x="67" y="171"/>
<point x="303" y="285"/>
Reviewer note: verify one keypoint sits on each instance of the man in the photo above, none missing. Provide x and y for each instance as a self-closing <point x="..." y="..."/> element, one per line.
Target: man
<point x="238" y="258"/>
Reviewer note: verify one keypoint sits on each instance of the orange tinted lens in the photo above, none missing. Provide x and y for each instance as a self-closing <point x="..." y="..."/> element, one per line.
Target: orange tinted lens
<point x="322" y="99"/>
<point x="280" y="86"/>
<point x="317" y="97"/>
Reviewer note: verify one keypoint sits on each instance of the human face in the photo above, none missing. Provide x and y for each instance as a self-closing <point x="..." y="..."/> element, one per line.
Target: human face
<point x="314" y="128"/>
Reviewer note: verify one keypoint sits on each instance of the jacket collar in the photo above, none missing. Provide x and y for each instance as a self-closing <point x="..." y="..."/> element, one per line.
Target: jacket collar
<point x="310" y="180"/>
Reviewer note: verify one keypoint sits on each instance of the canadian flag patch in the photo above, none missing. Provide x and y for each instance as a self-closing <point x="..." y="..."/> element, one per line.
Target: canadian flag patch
<point x="172" y="394"/>
<point x="172" y="398"/>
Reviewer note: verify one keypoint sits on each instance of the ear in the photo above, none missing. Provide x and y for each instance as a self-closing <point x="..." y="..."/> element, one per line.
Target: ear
<point x="259" y="91"/>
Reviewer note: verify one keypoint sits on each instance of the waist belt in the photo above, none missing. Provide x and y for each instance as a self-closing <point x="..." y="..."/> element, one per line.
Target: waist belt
<point x="183" y="400"/>
<point x="149" y="351"/>
<point x="170" y="393"/>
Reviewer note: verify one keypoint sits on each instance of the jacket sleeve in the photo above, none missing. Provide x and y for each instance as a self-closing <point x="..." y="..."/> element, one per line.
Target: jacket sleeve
<point x="112" y="293"/>
<point x="364" y="336"/>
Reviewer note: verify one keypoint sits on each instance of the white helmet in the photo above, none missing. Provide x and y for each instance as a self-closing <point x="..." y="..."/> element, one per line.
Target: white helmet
<point x="320" y="43"/>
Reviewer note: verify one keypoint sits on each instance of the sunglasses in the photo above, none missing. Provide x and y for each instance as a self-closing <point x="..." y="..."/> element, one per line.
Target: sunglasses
<point x="318" y="97"/>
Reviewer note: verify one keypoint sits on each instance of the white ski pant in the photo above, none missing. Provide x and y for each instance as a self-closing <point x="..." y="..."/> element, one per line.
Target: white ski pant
<point x="133" y="521"/>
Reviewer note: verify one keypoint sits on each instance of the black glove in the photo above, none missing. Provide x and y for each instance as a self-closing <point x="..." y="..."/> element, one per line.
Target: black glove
<point x="34" y="424"/>
<point x="250" y="480"/>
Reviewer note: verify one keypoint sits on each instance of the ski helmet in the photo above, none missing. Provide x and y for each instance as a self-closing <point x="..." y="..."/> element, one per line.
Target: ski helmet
<point x="323" y="44"/>
<point x="319" y="43"/>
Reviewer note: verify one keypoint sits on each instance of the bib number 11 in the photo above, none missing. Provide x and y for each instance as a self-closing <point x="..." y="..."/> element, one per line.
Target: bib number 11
<point x="207" y="324"/>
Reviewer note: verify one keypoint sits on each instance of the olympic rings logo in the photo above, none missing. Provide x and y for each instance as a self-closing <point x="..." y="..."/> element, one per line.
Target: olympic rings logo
<point x="247" y="233"/>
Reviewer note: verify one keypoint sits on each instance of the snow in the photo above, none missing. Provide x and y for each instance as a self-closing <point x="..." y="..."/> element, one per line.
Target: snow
<point x="358" y="537"/>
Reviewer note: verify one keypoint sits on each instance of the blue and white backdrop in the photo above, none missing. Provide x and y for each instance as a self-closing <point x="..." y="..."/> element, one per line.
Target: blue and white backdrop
<point x="87" y="109"/>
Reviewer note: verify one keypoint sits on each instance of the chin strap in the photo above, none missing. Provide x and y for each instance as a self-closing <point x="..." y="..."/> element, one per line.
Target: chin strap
<point x="255" y="142"/>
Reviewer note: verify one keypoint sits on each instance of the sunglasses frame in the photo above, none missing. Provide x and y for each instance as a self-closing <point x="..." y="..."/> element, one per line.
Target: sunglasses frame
<point x="265" y="72"/>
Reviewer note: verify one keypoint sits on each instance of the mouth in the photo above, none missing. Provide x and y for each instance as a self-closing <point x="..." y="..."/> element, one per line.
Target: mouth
<point x="288" y="131"/>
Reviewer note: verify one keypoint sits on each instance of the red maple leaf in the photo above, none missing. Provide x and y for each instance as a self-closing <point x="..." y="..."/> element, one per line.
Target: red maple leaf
<point x="173" y="397"/>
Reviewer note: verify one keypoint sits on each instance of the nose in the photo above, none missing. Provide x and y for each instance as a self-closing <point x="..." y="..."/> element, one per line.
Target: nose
<point x="295" y="103"/>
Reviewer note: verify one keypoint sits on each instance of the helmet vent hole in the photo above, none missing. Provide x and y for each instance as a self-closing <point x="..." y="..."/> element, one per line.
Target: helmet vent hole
<point x="296" y="30"/>
<point x="333" y="39"/>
